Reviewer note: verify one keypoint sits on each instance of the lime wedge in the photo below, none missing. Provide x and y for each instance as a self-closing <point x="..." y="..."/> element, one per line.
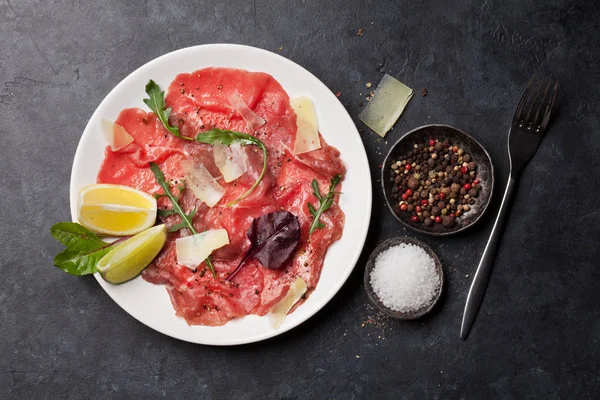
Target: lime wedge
<point x="129" y="258"/>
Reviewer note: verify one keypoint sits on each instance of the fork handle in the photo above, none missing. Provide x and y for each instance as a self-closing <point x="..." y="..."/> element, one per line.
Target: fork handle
<point x="484" y="270"/>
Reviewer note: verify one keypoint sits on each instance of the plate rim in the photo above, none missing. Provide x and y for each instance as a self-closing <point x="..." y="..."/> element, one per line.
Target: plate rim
<point x="328" y="296"/>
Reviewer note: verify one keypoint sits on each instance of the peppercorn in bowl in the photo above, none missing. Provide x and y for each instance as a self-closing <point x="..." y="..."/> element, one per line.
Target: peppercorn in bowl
<point x="437" y="180"/>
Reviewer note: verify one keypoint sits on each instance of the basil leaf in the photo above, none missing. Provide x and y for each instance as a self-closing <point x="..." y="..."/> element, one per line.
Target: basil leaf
<point x="325" y="202"/>
<point x="273" y="239"/>
<point x="70" y="232"/>
<point x="80" y="260"/>
<point x="227" y="138"/>
<point x="84" y="248"/>
<point x="156" y="102"/>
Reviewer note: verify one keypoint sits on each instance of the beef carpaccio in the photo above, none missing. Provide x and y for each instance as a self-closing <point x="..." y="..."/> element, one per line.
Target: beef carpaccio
<point x="199" y="102"/>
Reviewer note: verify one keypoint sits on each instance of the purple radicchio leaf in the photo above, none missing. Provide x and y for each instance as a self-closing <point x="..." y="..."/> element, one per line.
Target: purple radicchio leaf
<point x="273" y="239"/>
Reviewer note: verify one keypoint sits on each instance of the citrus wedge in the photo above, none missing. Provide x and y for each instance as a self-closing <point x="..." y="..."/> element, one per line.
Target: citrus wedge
<point x="116" y="210"/>
<point x="129" y="258"/>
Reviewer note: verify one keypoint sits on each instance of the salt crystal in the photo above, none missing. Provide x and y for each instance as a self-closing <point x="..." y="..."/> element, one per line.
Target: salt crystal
<point x="405" y="278"/>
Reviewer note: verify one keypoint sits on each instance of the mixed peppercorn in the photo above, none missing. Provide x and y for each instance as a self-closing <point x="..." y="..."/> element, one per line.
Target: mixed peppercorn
<point x="436" y="182"/>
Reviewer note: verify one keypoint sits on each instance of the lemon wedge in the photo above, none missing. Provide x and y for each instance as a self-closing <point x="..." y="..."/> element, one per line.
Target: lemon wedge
<point x="116" y="210"/>
<point x="129" y="258"/>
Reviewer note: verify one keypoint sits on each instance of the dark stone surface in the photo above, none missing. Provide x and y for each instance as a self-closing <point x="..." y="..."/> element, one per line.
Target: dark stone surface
<point x="537" y="335"/>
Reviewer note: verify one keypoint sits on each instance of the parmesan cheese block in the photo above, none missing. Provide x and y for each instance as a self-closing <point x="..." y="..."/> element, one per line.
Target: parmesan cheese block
<point x="231" y="161"/>
<point x="388" y="102"/>
<point x="307" y="134"/>
<point x="192" y="250"/>
<point x="280" y="310"/>
<point x="116" y="136"/>
<point x="201" y="183"/>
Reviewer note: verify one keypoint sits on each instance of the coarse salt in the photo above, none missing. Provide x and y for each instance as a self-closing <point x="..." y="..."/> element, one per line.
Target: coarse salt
<point x="405" y="278"/>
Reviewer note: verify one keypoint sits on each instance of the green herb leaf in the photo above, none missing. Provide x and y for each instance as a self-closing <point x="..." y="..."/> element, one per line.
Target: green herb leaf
<point x="182" y="224"/>
<point x="83" y="248"/>
<point x="316" y="191"/>
<point x="325" y="202"/>
<point x="227" y="138"/>
<point x="156" y="102"/>
<point x="71" y="232"/>
<point x="273" y="239"/>
<point x="170" y="211"/>
<point x="186" y="219"/>
<point x="166" y="212"/>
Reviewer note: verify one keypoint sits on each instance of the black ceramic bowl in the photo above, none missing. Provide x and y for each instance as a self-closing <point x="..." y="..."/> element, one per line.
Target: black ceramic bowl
<point x="373" y="296"/>
<point x="485" y="174"/>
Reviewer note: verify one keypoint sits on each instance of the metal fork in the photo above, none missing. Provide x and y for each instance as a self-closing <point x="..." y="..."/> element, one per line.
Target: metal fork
<point x="526" y="132"/>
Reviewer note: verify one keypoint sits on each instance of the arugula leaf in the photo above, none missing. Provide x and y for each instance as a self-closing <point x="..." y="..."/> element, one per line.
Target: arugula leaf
<point x="186" y="219"/>
<point x="83" y="248"/>
<point x="171" y="211"/>
<point x="182" y="224"/>
<point x="227" y="138"/>
<point x="325" y="202"/>
<point x="316" y="191"/>
<point x="156" y="102"/>
<point x="166" y="212"/>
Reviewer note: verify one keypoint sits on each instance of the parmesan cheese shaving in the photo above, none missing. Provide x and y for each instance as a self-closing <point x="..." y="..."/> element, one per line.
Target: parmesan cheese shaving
<point x="307" y="134"/>
<point x="116" y="136"/>
<point x="194" y="249"/>
<point x="280" y="310"/>
<point x="231" y="161"/>
<point x="252" y="120"/>
<point x="201" y="183"/>
<point x="388" y="102"/>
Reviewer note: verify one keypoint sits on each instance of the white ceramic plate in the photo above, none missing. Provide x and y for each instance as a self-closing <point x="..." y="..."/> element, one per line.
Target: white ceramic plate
<point x="150" y="304"/>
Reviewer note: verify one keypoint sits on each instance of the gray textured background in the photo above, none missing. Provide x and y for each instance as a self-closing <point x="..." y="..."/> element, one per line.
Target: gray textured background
<point x="537" y="334"/>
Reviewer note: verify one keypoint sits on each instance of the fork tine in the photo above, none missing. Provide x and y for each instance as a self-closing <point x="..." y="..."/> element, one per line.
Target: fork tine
<point x="539" y="90"/>
<point x="548" y="110"/>
<point x="535" y="121"/>
<point x="524" y="98"/>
